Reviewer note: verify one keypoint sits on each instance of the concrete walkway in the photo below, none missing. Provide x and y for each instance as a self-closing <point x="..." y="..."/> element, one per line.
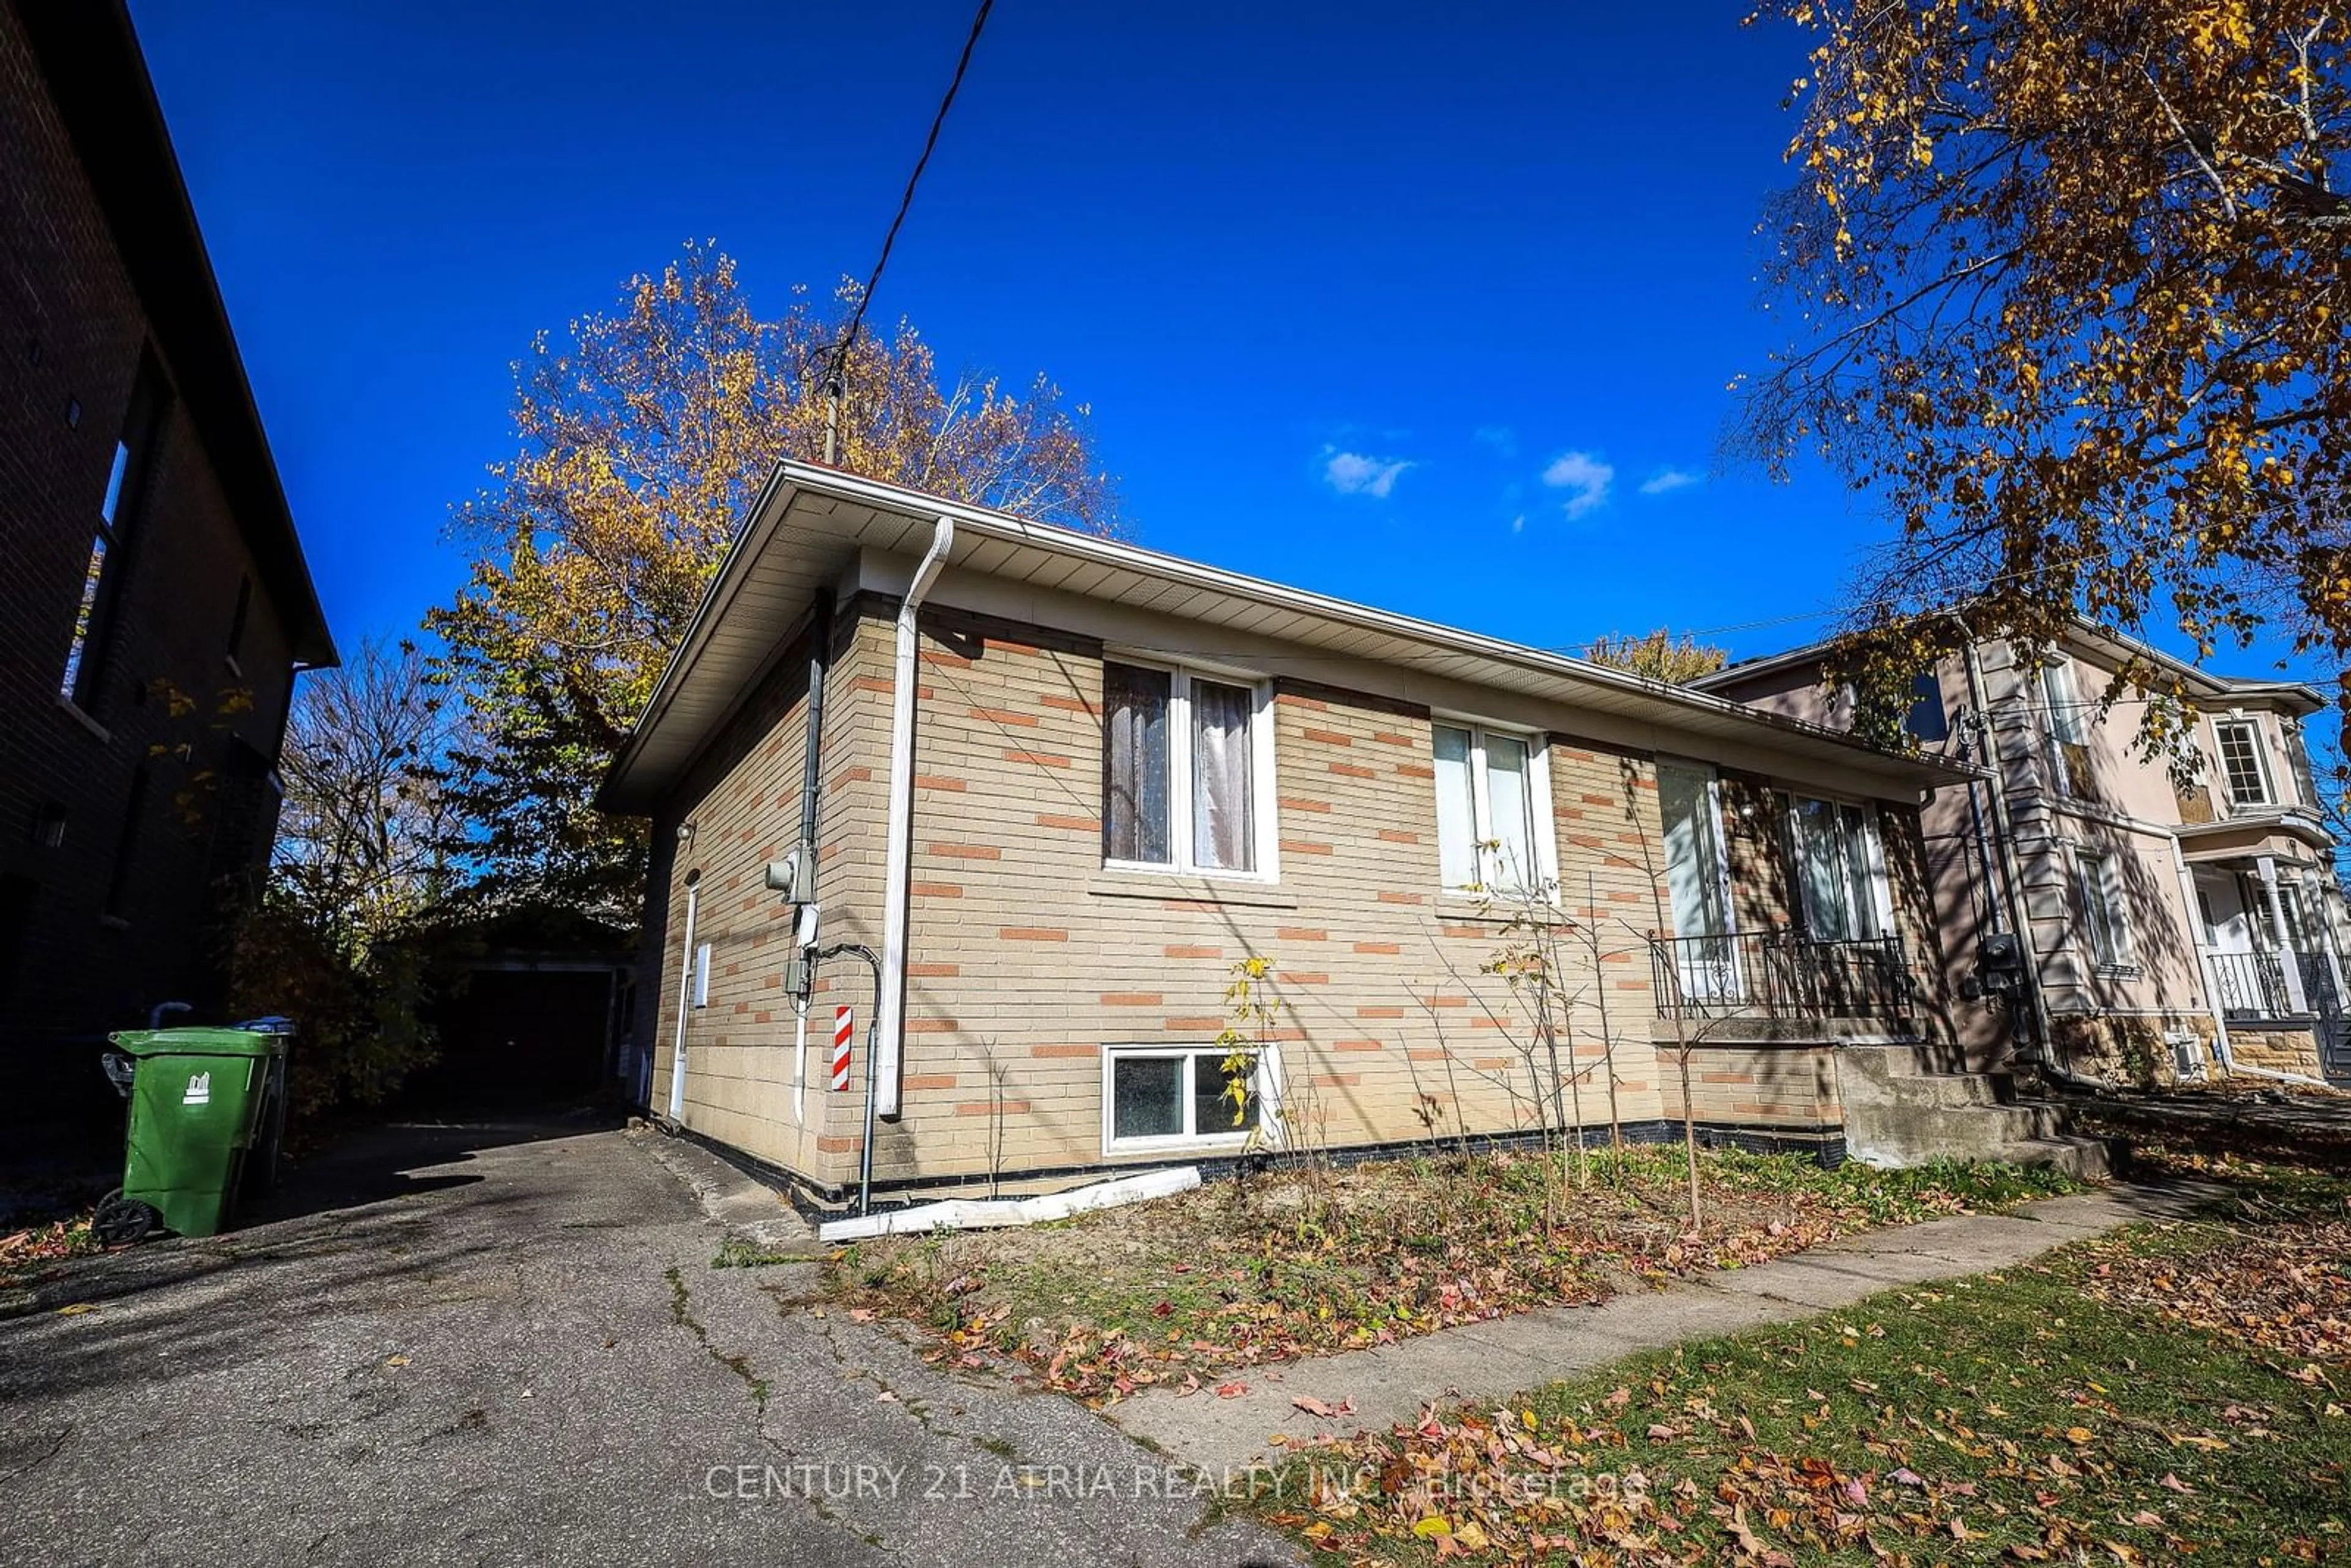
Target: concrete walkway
<point x="1501" y="1356"/>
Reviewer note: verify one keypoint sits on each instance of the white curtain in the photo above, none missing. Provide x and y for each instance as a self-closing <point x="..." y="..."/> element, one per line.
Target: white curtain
<point x="1134" y="765"/>
<point x="1865" y="864"/>
<point x="1695" y="872"/>
<point x="1694" y="857"/>
<point x="1456" y="815"/>
<point x="1508" y="800"/>
<point x="1223" y="834"/>
<point x="1819" y="864"/>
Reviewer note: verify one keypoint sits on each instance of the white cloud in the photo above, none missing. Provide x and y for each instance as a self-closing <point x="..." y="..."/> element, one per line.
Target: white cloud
<point x="1353" y="473"/>
<point x="1584" y="477"/>
<point x="1500" y="437"/>
<point x="1666" y="480"/>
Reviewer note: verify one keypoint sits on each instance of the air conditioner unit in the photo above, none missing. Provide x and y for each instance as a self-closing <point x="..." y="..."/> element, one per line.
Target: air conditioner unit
<point x="2188" y="1057"/>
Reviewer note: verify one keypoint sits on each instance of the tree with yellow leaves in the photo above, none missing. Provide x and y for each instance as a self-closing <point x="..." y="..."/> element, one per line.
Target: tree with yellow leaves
<point x="642" y="436"/>
<point x="2069" y="292"/>
<point x="1661" y="655"/>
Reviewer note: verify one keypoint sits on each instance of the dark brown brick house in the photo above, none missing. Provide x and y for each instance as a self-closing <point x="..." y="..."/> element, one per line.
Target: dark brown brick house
<point x="156" y="605"/>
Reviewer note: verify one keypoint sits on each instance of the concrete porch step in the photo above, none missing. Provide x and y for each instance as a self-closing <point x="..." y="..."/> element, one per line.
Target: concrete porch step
<point x="2089" y="1157"/>
<point x="1902" y="1108"/>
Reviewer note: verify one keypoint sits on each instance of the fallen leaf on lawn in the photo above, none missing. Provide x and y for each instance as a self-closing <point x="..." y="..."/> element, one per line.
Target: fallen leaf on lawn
<point x="2174" y="1483"/>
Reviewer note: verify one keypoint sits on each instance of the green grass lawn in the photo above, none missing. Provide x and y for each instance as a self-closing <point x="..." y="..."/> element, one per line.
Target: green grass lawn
<point x="2175" y="1394"/>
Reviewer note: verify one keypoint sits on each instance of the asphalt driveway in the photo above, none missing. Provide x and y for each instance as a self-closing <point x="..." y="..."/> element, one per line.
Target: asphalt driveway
<point x="507" y="1343"/>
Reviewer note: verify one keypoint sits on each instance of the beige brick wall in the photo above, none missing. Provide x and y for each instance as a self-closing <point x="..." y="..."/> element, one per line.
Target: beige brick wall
<point x="1027" y="957"/>
<point x="1788" y="1087"/>
<point x="1030" y="952"/>
<point x="742" y="801"/>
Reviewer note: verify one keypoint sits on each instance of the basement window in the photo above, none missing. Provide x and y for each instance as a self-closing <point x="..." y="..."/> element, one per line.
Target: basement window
<point x="1164" y="1097"/>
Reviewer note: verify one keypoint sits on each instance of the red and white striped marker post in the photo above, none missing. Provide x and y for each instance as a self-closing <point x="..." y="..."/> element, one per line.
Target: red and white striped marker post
<point x="843" y="1025"/>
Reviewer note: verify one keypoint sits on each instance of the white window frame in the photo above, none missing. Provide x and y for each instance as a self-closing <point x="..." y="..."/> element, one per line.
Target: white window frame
<point x="702" y="975"/>
<point x="1881" y="881"/>
<point x="2061" y="695"/>
<point x="2065" y="722"/>
<point x="2253" y="730"/>
<point x="1266" y="1087"/>
<point x="1713" y="973"/>
<point x="1481" y="806"/>
<point x="1264" y="818"/>
<point x="2097" y="875"/>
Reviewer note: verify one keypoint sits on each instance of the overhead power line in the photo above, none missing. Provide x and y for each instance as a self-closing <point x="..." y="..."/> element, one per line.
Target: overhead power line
<point x="930" y="142"/>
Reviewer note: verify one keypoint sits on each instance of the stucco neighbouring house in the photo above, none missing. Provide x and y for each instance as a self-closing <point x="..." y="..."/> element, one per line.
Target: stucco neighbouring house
<point x="2166" y="931"/>
<point x="1061" y="786"/>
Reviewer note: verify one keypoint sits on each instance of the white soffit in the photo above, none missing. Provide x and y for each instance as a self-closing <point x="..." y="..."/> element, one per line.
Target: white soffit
<point x="810" y="523"/>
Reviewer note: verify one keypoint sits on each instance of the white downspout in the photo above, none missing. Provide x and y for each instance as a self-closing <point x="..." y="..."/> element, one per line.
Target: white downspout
<point x="684" y="1010"/>
<point x="890" y="1027"/>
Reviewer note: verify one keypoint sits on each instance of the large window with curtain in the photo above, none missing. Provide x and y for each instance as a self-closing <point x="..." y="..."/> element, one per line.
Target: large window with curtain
<point x="1698" y="878"/>
<point x="1839" y="866"/>
<point x="1187" y="763"/>
<point x="1489" y="807"/>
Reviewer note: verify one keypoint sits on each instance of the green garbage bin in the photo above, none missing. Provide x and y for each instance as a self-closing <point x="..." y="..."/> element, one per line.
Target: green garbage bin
<point x="207" y="1108"/>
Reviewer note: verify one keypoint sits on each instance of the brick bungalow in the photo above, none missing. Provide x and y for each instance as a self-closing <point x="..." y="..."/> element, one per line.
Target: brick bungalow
<point x="1061" y="786"/>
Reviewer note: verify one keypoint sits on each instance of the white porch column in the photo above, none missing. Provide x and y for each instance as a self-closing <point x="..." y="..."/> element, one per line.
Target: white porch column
<point x="2289" y="960"/>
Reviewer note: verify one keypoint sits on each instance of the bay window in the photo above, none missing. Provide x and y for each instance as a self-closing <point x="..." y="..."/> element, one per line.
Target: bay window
<point x="1187" y="772"/>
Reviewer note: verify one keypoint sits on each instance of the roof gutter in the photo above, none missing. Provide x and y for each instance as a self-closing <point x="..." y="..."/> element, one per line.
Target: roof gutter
<point x="890" y="1027"/>
<point x="792" y="478"/>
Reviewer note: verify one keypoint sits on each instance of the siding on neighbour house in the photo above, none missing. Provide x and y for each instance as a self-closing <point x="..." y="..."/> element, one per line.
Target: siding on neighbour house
<point x="1027" y="957"/>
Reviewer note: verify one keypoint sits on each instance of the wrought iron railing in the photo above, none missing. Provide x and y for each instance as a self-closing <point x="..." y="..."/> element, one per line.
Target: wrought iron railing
<point x="2250" y="984"/>
<point x="1780" y="973"/>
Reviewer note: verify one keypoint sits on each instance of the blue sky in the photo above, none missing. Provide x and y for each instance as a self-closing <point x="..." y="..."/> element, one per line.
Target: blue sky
<point x="1436" y="315"/>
